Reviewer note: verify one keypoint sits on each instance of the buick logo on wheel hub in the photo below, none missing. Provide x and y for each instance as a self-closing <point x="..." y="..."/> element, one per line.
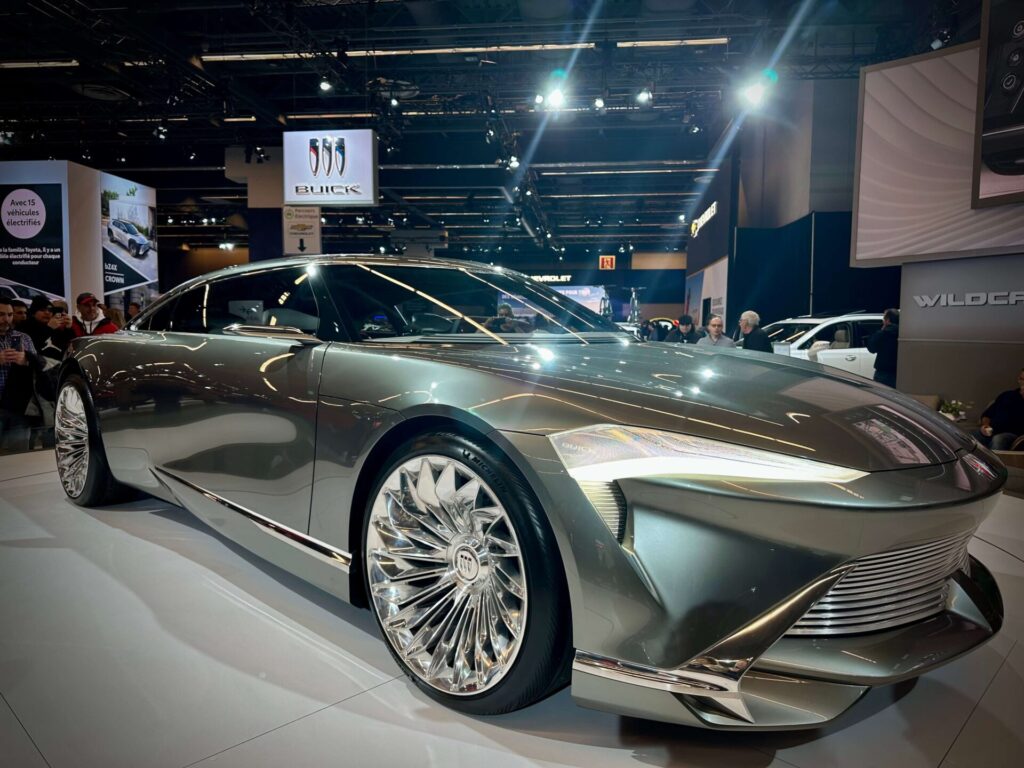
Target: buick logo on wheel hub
<point x="327" y="154"/>
<point x="467" y="564"/>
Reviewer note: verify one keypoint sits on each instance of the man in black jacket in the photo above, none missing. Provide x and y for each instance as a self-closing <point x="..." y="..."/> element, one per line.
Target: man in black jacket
<point x="685" y="333"/>
<point x="17" y="368"/>
<point x="753" y="337"/>
<point x="886" y="346"/>
<point x="1003" y="421"/>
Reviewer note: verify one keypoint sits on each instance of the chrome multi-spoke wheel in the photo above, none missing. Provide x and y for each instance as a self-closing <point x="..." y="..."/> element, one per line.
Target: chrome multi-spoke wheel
<point x="71" y="426"/>
<point x="446" y="575"/>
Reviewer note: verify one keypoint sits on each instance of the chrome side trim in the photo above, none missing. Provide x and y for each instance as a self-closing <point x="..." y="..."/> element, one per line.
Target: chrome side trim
<point x="336" y="557"/>
<point x="723" y="690"/>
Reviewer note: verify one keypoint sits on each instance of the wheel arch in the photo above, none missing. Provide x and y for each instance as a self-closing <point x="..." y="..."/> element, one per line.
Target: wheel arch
<point x="421" y="421"/>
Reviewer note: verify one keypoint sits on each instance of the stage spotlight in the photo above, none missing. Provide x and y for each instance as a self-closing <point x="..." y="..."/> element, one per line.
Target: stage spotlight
<point x="394" y="102"/>
<point x="682" y="218"/>
<point x="599" y="103"/>
<point x="325" y="85"/>
<point x="754" y="94"/>
<point x="556" y="98"/>
<point x="538" y="99"/>
<point x="644" y="97"/>
<point x="513" y="162"/>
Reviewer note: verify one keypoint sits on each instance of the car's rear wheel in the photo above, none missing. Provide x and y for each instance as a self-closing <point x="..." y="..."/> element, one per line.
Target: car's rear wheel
<point x="464" y="577"/>
<point x="81" y="460"/>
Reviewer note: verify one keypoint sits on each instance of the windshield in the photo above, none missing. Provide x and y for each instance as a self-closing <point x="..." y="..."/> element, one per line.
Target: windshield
<point x="787" y="333"/>
<point x="129" y="228"/>
<point x="388" y="303"/>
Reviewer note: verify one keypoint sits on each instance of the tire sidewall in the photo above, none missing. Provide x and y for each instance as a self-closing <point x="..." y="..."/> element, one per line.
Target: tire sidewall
<point x="546" y="633"/>
<point x="97" y="476"/>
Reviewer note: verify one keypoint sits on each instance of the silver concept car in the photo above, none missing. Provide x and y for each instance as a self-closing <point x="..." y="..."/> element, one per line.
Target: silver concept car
<point x="522" y="493"/>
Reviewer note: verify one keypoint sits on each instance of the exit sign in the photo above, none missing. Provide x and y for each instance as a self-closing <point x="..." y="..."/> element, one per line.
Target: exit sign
<point x="606" y="262"/>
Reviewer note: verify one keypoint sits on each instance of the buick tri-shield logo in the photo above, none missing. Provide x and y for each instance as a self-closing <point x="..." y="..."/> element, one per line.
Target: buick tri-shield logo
<point x="327" y="154"/>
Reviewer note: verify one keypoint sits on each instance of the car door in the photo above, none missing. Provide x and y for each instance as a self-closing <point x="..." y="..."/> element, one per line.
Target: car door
<point x="863" y="330"/>
<point x="235" y="415"/>
<point x="839" y="353"/>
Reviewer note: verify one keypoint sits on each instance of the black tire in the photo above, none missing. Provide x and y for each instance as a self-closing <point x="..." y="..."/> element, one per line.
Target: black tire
<point x="100" y="487"/>
<point x="542" y="664"/>
<point x="110" y="235"/>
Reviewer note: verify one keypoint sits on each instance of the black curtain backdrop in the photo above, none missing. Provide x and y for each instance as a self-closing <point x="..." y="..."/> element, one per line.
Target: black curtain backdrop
<point x="840" y="288"/>
<point x="771" y="272"/>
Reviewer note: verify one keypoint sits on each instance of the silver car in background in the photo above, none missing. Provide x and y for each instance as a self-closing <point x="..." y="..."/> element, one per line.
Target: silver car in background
<point x="525" y="496"/>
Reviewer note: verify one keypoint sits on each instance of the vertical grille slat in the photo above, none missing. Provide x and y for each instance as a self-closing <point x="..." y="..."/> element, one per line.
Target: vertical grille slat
<point x="610" y="504"/>
<point x="887" y="590"/>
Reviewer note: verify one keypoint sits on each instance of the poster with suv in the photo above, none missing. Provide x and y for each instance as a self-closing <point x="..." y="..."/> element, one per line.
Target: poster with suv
<point x="128" y="226"/>
<point x="31" y="241"/>
<point x="999" y="131"/>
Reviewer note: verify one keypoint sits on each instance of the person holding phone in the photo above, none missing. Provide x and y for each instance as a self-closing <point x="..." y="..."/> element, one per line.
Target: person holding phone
<point x="17" y="360"/>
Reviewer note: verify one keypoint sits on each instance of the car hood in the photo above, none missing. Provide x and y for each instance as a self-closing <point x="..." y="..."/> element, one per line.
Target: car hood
<point x="761" y="400"/>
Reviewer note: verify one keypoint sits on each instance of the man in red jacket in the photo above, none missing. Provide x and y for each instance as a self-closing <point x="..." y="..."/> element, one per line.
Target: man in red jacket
<point x="90" y="321"/>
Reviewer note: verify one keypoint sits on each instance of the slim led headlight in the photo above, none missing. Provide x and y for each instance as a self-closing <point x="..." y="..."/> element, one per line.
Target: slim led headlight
<point x="606" y="452"/>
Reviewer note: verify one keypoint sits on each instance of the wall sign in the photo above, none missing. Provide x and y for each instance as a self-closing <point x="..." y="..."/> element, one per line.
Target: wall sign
<point x="551" y="278"/>
<point x="606" y="261"/>
<point x="330" y="167"/>
<point x="301" y="228"/>
<point x="704" y="218"/>
<point x="32" y="239"/>
<point x="969" y="299"/>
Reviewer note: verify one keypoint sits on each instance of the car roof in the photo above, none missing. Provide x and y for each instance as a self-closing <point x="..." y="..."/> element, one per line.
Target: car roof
<point x="368" y="259"/>
<point x="816" y="321"/>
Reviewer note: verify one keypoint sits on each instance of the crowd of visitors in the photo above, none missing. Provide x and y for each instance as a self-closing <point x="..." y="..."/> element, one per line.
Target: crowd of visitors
<point x="33" y="339"/>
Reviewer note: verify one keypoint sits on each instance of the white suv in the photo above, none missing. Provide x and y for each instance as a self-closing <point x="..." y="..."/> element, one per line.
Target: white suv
<point x="125" y="233"/>
<point x="837" y="341"/>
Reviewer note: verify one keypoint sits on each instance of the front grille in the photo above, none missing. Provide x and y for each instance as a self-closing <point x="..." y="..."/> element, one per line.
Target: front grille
<point x="888" y="590"/>
<point x="610" y="504"/>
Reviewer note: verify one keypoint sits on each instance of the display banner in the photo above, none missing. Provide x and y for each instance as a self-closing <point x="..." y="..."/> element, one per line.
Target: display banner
<point x="128" y="225"/>
<point x="32" y="239"/>
<point x="330" y="167"/>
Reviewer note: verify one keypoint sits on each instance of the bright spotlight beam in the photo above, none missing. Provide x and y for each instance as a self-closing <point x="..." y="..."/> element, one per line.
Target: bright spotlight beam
<point x="556" y="98"/>
<point x="754" y="94"/>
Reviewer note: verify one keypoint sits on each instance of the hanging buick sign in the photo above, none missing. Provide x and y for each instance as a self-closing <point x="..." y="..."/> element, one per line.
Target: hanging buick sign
<point x="330" y="167"/>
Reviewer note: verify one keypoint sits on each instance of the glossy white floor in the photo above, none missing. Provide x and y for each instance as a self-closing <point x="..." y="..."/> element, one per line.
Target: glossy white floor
<point x="134" y="636"/>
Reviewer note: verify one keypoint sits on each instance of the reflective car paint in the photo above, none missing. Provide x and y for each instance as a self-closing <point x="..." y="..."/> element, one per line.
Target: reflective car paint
<point x="293" y="432"/>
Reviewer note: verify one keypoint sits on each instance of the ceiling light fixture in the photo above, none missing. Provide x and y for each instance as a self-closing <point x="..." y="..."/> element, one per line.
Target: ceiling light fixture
<point x="599" y="103"/>
<point x="325" y="85"/>
<point x="672" y="43"/>
<point x="644" y="97"/>
<point x="54" y="64"/>
<point x="556" y="98"/>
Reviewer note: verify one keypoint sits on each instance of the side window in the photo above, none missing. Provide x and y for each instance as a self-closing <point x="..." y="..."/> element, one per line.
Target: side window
<point x="835" y="335"/>
<point x="865" y="328"/>
<point x="160" y="320"/>
<point x="279" y="297"/>
<point x="187" y="316"/>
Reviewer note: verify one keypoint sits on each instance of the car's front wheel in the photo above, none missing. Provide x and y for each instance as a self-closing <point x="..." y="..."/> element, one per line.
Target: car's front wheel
<point x="81" y="460"/>
<point x="465" y="578"/>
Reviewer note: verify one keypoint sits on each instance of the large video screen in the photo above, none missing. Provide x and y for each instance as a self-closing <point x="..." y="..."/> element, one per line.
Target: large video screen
<point x="999" y="152"/>
<point x="915" y="165"/>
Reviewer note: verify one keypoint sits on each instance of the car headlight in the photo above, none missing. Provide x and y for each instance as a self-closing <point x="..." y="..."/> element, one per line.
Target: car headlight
<point x="608" y="452"/>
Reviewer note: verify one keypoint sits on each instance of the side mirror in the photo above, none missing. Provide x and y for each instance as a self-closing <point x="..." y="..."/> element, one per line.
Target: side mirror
<point x="282" y="332"/>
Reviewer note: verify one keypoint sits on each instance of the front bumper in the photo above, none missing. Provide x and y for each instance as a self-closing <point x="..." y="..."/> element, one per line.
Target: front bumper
<point x="680" y="613"/>
<point x="798" y="682"/>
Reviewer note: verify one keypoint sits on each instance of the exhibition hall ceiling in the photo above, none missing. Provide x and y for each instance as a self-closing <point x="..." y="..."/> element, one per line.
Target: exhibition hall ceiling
<point x="595" y="123"/>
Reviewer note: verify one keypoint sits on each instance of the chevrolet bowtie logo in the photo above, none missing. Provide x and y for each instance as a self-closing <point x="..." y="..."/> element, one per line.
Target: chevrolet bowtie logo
<point x="327" y="155"/>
